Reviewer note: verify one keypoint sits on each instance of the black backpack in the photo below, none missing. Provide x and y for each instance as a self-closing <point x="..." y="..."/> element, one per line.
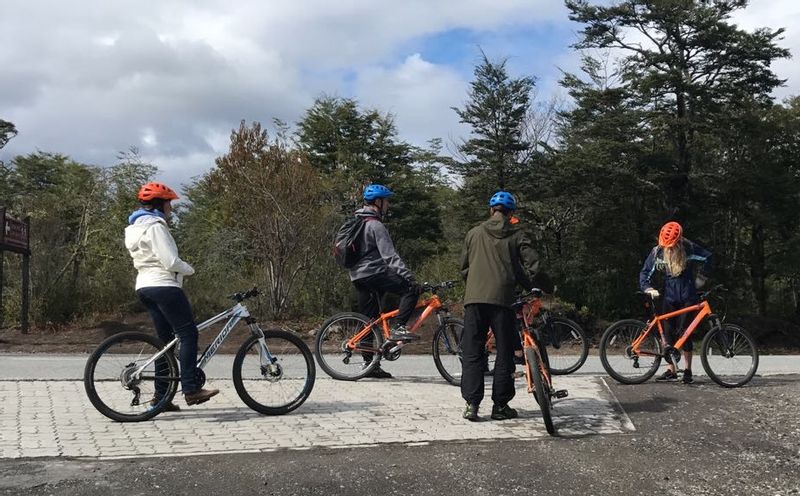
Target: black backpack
<point x="346" y="249"/>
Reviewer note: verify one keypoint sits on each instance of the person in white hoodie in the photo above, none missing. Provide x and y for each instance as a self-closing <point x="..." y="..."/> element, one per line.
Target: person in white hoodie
<point x="159" y="285"/>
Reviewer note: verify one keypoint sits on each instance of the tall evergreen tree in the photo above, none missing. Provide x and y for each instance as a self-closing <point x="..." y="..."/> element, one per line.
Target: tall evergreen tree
<point x="492" y="158"/>
<point x="687" y="62"/>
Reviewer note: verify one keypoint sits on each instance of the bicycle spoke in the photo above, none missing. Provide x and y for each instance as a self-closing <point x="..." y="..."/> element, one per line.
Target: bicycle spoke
<point x="277" y="379"/>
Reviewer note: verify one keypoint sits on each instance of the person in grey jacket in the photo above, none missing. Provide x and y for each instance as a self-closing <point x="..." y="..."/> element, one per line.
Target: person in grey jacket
<point x="380" y="270"/>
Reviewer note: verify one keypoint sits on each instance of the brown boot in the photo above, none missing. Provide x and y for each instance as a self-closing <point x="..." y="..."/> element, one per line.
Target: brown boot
<point x="200" y="396"/>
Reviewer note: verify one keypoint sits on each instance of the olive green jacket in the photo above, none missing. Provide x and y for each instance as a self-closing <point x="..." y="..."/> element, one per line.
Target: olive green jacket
<point x="497" y="256"/>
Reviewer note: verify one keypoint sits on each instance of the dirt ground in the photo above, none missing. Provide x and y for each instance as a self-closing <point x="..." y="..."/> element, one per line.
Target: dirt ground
<point x="85" y="338"/>
<point x="774" y="336"/>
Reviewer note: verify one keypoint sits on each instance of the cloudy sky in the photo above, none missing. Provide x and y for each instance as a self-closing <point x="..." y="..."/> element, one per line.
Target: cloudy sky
<point x="173" y="78"/>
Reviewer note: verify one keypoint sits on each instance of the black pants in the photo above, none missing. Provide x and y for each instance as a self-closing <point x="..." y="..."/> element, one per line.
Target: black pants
<point x="675" y="327"/>
<point x="371" y="289"/>
<point x="172" y="316"/>
<point x="478" y="318"/>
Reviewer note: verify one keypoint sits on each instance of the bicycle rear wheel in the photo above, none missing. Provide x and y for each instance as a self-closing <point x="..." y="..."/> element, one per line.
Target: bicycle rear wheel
<point x="541" y="388"/>
<point x="567" y="345"/>
<point x="116" y="391"/>
<point x="332" y="354"/>
<point x="729" y="355"/>
<point x="275" y="380"/>
<point x="447" y="350"/>
<point x="618" y="357"/>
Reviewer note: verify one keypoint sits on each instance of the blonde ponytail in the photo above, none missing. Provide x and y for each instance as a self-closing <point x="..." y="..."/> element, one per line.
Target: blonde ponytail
<point x="675" y="257"/>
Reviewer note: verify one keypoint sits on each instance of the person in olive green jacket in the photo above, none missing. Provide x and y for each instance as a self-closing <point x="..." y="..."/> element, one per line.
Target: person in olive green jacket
<point x="497" y="256"/>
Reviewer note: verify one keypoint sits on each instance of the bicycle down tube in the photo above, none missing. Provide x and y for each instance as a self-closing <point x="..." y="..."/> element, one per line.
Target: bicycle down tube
<point x="430" y="305"/>
<point x="704" y="310"/>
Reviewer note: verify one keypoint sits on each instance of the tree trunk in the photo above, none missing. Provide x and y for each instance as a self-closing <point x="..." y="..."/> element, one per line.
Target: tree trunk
<point x="758" y="269"/>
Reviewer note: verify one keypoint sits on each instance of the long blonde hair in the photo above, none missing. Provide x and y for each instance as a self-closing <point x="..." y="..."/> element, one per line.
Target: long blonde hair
<point x="675" y="258"/>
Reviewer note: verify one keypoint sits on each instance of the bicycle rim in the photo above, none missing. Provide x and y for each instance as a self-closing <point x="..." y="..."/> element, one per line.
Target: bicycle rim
<point x="618" y="357"/>
<point x="340" y="363"/>
<point x="277" y="380"/>
<point x="447" y="350"/>
<point x="567" y="345"/>
<point x="116" y="392"/>
<point x="729" y="356"/>
<point x="541" y="389"/>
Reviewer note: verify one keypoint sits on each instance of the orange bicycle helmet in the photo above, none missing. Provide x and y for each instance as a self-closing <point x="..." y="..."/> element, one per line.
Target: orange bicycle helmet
<point x="156" y="191"/>
<point x="670" y="234"/>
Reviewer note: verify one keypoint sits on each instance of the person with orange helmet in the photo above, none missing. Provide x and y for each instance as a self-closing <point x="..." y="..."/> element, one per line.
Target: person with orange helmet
<point x="159" y="286"/>
<point x="676" y="259"/>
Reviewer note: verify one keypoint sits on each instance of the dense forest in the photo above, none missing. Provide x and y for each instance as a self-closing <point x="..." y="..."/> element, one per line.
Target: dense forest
<point x="671" y="118"/>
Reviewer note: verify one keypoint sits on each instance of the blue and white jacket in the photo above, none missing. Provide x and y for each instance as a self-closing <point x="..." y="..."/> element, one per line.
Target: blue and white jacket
<point x="678" y="289"/>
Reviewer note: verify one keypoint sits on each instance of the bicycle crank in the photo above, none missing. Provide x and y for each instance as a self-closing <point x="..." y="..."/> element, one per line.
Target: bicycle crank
<point x="390" y="351"/>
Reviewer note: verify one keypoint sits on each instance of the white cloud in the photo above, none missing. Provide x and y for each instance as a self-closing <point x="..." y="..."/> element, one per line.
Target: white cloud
<point x="94" y="78"/>
<point x="419" y="94"/>
<point x="776" y="14"/>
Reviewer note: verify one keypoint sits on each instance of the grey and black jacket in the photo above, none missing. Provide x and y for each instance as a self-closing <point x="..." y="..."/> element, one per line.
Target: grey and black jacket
<point x="378" y="255"/>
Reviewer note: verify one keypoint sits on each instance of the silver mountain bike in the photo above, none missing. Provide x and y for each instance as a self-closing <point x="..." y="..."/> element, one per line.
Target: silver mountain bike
<point x="133" y="376"/>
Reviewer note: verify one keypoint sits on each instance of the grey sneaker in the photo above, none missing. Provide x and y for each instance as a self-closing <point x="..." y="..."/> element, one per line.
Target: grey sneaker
<point x="668" y="376"/>
<point x="400" y="333"/>
<point x="471" y="412"/>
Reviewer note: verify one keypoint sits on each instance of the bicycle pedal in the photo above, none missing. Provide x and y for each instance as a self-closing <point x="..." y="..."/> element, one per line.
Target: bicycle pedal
<point x="561" y="393"/>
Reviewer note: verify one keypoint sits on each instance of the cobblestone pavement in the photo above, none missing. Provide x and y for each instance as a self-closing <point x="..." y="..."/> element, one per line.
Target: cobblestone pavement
<point x="55" y="418"/>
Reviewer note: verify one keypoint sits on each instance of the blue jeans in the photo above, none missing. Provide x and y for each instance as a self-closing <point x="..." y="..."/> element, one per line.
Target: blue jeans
<point x="172" y="316"/>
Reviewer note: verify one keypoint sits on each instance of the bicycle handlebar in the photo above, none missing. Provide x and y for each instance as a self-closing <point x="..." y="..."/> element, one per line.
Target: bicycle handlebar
<point x="523" y="297"/>
<point x="244" y="295"/>
<point x="426" y="286"/>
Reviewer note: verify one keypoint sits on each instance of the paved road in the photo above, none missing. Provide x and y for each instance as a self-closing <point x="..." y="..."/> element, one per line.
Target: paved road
<point x="689" y="440"/>
<point x="404" y="436"/>
<point x="59" y="367"/>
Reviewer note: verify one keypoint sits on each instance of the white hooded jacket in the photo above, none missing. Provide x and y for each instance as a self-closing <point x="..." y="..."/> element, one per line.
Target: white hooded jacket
<point x="154" y="253"/>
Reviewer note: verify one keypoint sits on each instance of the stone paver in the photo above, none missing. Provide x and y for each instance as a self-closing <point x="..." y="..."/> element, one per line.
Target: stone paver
<point x="55" y="418"/>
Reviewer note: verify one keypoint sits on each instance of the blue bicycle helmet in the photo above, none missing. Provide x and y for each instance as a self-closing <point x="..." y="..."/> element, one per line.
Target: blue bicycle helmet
<point x="375" y="191"/>
<point x="504" y="199"/>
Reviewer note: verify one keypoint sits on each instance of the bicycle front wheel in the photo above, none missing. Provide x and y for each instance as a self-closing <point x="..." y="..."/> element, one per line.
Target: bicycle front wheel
<point x="621" y="361"/>
<point x="333" y="355"/>
<point x="567" y="345"/>
<point x="541" y="388"/>
<point x="117" y="388"/>
<point x="276" y="376"/>
<point x="729" y="355"/>
<point x="447" y="350"/>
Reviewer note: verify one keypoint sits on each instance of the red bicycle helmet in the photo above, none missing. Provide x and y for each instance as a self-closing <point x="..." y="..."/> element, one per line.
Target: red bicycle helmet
<point x="156" y="191"/>
<point x="670" y="234"/>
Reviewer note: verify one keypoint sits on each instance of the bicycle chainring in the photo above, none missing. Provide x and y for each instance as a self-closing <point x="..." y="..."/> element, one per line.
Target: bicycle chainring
<point x="386" y="352"/>
<point x="200" y="378"/>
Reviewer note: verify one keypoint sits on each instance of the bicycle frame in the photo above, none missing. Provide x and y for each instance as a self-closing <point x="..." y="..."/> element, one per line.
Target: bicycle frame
<point x="430" y="305"/>
<point x="234" y="315"/>
<point x="703" y="309"/>
<point x="530" y="341"/>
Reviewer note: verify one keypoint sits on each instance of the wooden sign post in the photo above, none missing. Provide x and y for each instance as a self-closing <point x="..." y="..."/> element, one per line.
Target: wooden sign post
<point x="15" y="236"/>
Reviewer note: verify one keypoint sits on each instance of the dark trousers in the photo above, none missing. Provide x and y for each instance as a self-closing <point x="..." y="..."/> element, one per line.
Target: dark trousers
<point x="478" y="318"/>
<point x="371" y="289"/>
<point x="172" y="316"/>
<point x="674" y="327"/>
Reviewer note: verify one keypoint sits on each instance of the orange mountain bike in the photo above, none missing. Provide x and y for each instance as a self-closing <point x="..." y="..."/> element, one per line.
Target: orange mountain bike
<point x="537" y="364"/>
<point x="350" y="345"/>
<point x="567" y="344"/>
<point x="631" y="352"/>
